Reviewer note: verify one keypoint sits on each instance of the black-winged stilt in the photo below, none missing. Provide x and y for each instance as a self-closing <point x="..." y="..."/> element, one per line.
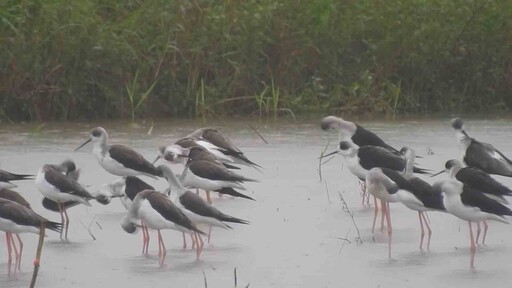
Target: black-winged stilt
<point x="157" y="212"/>
<point x="60" y="188"/>
<point x="480" y="181"/>
<point x="361" y="159"/>
<point x="67" y="167"/>
<point x="16" y="218"/>
<point x="479" y="154"/>
<point x="354" y="132"/>
<point x="7" y="177"/>
<point x="201" y="153"/>
<point x="15" y="197"/>
<point x="117" y="159"/>
<point x="411" y="191"/>
<point x="200" y="211"/>
<point x="222" y="144"/>
<point x="127" y="188"/>
<point x="471" y="205"/>
<point x="211" y="177"/>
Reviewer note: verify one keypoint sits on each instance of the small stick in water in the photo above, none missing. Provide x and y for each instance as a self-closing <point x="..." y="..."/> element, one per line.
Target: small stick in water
<point x="320" y="160"/>
<point x="38" y="256"/>
<point x="205" y="280"/>
<point x="236" y="281"/>
<point x="258" y="133"/>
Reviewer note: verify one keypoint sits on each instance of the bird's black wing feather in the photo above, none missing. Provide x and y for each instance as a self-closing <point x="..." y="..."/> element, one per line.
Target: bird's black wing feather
<point x="363" y="137"/>
<point x="208" y="170"/>
<point x="374" y="156"/>
<point x="472" y="197"/>
<point x="134" y="185"/>
<point x="164" y="206"/>
<point x="66" y="184"/>
<point x="131" y="159"/>
<point x="480" y="155"/>
<point x="14" y="196"/>
<point x="482" y="181"/>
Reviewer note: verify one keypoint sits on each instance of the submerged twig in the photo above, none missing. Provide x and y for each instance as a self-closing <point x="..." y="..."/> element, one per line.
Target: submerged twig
<point x="320" y="160"/>
<point x="345" y="206"/>
<point x="258" y="133"/>
<point x="236" y="280"/>
<point x="327" y="190"/>
<point x="150" y="131"/>
<point x="205" y="280"/>
<point x="345" y="241"/>
<point x="89" y="228"/>
<point x="329" y="159"/>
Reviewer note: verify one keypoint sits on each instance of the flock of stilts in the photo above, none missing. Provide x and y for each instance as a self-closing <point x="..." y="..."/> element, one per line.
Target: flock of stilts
<point x="208" y="157"/>
<point x="387" y="174"/>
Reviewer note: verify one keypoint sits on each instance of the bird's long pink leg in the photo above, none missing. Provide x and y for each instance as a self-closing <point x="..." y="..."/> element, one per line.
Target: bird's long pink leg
<point x="477" y="231"/>
<point x="388" y="220"/>
<point x="485" y="232"/>
<point x="9" y="252"/>
<point x="61" y="220"/>
<point x="422" y="230"/>
<point x="21" y="250"/>
<point x="147" y="238"/>
<point x="375" y="213"/>
<point x="159" y="249"/>
<point x="382" y="216"/>
<point x="16" y="254"/>
<point x="145" y="241"/>
<point x="208" y="197"/>
<point x="473" y="246"/>
<point x="184" y="241"/>
<point x="67" y="221"/>
<point x="192" y="237"/>
<point x="201" y="245"/>
<point x="164" y="251"/>
<point x="197" y="245"/>
<point x="143" y="237"/>
<point x="429" y="231"/>
<point x="209" y="233"/>
<point x="363" y="192"/>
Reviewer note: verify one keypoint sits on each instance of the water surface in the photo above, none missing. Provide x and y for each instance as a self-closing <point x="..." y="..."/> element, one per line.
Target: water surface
<point x="298" y="221"/>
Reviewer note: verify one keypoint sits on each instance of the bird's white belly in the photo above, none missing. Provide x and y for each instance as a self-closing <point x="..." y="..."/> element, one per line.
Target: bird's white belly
<point x="410" y="201"/>
<point x="454" y="206"/>
<point x="9" y="226"/>
<point x="154" y="220"/>
<point x="191" y="180"/>
<point x="7" y="185"/>
<point x="379" y="191"/>
<point x="356" y="168"/>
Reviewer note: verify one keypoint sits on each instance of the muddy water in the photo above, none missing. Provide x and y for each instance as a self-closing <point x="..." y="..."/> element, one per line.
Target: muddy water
<point x="298" y="223"/>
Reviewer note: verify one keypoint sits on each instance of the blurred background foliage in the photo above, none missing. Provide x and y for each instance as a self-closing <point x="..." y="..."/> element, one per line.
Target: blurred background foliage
<point x="87" y="59"/>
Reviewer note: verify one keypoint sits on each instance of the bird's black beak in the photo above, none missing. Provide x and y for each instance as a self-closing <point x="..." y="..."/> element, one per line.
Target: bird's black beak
<point x="182" y="156"/>
<point x="156" y="159"/>
<point x="327" y="155"/>
<point x="83" y="144"/>
<point x="433" y="175"/>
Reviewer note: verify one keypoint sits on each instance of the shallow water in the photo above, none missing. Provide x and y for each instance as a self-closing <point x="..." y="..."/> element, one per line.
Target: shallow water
<point x="298" y="226"/>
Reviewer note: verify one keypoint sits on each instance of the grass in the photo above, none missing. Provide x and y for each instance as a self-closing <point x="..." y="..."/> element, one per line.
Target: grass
<point x="132" y="92"/>
<point x="134" y="59"/>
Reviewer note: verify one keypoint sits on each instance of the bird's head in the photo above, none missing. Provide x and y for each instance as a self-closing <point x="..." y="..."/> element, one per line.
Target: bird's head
<point x="336" y="123"/>
<point x="457" y="124"/>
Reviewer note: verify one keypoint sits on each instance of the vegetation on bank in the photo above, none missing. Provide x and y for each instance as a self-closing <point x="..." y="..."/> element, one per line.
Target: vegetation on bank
<point x="88" y="59"/>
